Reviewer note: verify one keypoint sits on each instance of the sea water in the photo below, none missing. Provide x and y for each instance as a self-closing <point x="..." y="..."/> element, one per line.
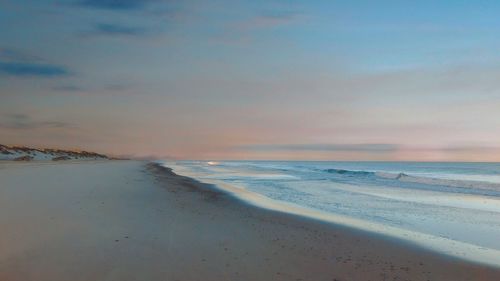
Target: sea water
<point x="451" y="207"/>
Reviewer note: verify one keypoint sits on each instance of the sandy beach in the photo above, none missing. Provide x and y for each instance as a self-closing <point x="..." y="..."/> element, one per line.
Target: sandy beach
<point x="130" y="220"/>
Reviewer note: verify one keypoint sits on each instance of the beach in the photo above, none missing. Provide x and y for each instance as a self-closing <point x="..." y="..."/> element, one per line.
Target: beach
<point x="134" y="220"/>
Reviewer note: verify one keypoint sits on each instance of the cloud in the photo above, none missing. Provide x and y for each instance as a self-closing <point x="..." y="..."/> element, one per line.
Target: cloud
<point x="153" y="15"/>
<point x="20" y="64"/>
<point x="272" y="19"/>
<point x="244" y="31"/>
<point x="93" y="89"/>
<point x="118" y="5"/>
<point x="8" y="54"/>
<point x="117" y="30"/>
<point x="32" y="69"/>
<point x="457" y="148"/>
<point x="25" y="122"/>
<point x="161" y="7"/>
<point x="371" y="147"/>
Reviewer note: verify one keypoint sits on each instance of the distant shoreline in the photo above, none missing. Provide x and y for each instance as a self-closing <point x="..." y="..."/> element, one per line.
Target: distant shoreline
<point x="26" y="154"/>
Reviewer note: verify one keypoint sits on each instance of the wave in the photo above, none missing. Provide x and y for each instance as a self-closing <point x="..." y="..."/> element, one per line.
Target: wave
<point x="394" y="176"/>
<point x="349" y="172"/>
<point x="471" y="184"/>
<point x="369" y="176"/>
<point x="403" y="177"/>
<point x="246" y="176"/>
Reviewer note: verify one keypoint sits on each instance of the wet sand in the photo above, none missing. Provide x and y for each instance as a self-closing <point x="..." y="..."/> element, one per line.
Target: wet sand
<point x="128" y="220"/>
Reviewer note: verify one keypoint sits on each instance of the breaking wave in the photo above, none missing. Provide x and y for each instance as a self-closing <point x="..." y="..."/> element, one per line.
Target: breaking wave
<point x="403" y="177"/>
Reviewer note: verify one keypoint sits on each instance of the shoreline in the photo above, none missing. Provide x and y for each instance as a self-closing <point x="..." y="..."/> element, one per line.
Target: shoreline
<point x="130" y="220"/>
<point x="392" y="239"/>
<point x="441" y="246"/>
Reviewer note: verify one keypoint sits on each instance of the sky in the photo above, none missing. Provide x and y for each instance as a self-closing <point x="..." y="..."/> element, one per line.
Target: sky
<point x="278" y="79"/>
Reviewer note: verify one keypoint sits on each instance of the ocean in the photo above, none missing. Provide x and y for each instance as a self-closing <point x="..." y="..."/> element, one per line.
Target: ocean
<point x="453" y="208"/>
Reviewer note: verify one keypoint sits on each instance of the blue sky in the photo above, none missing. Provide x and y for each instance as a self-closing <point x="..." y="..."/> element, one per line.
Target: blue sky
<point x="253" y="79"/>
